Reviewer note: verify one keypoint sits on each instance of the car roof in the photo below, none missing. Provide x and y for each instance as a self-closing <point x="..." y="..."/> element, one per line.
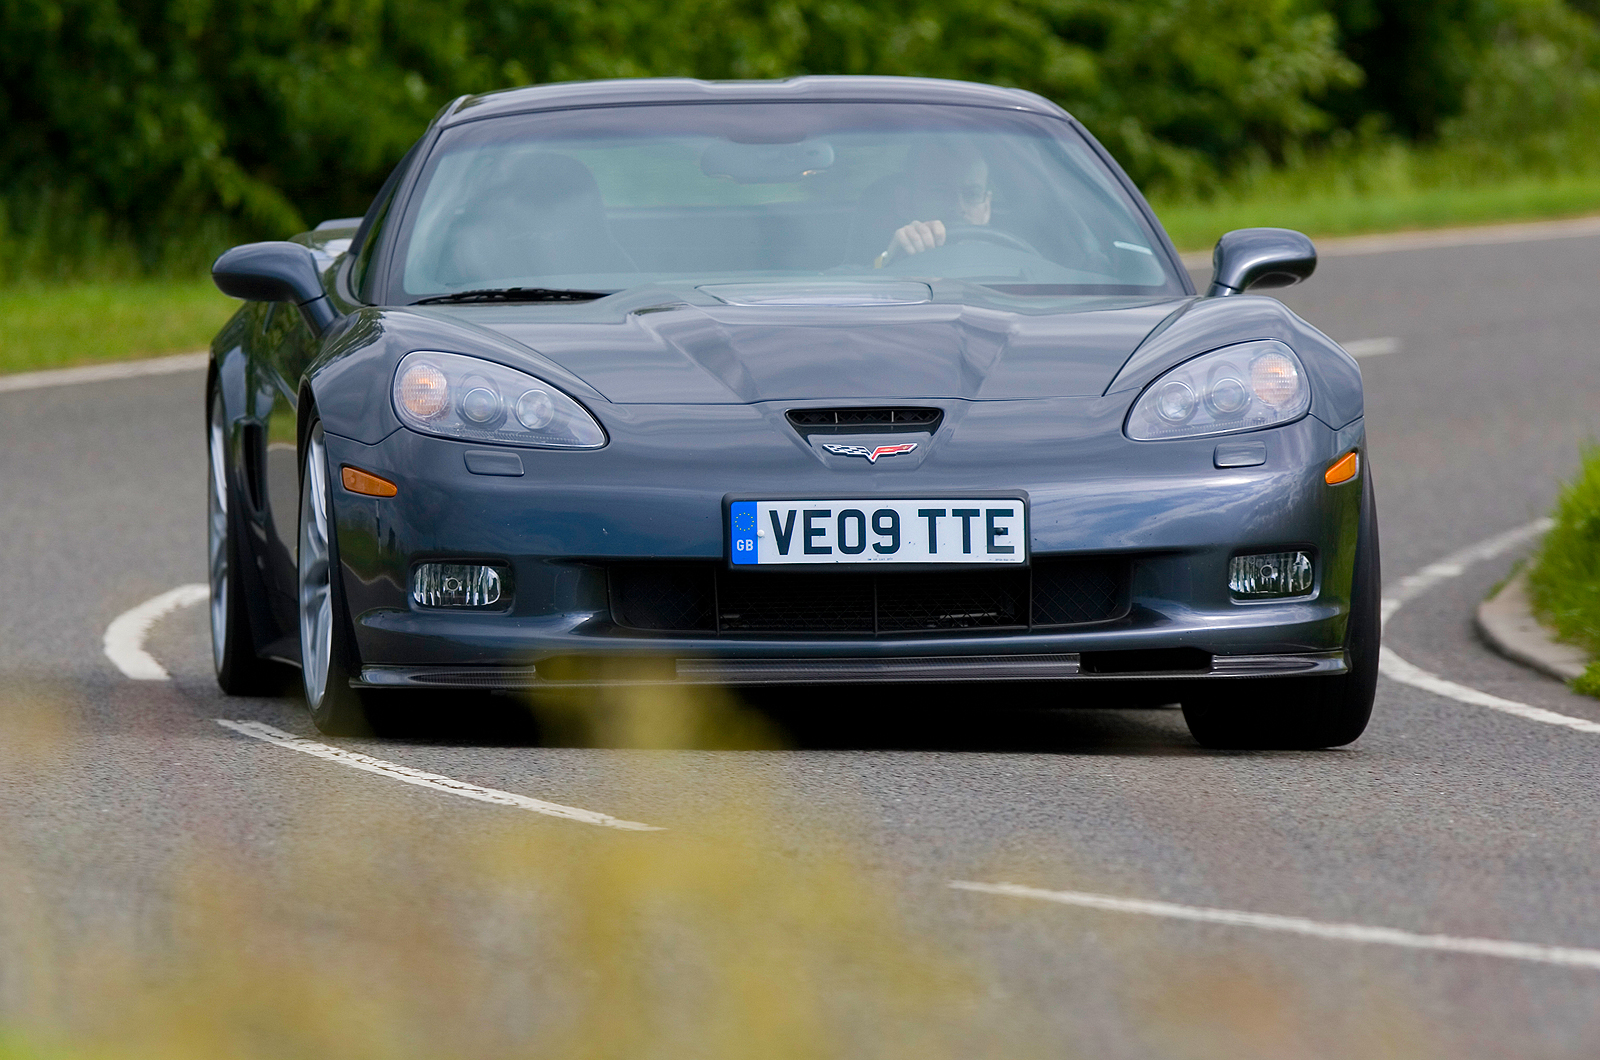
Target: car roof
<point x="793" y="89"/>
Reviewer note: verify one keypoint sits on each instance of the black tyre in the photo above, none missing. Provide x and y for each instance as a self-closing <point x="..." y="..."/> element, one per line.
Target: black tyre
<point x="328" y="659"/>
<point x="1305" y="712"/>
<point x="240" y="671"/>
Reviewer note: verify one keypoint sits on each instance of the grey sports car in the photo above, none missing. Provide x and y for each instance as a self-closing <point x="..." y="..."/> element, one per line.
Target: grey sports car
<point x="832" y="379"/>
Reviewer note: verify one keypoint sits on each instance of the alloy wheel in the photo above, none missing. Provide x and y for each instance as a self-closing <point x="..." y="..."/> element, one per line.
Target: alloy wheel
<point x="316" y="592"/>
<point x="217" y="532"/>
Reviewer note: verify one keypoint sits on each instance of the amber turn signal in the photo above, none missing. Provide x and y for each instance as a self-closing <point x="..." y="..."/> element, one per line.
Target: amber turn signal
<point x="370" y="485"/>
<point x="1343" y="469"/>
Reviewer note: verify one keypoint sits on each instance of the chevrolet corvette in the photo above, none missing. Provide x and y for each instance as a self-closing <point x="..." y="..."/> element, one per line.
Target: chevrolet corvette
<point x="831" y="380"/>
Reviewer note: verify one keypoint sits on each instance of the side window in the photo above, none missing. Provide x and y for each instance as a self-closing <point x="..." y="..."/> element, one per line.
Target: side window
<point x="358" y="272"/>
<point x="372" y="226"/>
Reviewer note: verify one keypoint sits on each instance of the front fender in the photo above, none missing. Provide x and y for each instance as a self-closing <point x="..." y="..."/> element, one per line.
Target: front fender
<point x="1210" y="323"/>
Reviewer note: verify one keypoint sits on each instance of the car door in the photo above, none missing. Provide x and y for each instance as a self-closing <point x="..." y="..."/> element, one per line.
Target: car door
<point x="287" y="347"/>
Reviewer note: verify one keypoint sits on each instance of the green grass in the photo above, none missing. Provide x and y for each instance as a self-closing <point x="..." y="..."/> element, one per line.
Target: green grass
<point x="1379" y="185"/>
<point x="1336" y="211"/>
<point x="1564" y="580"/>
<point x="83" y="323"/>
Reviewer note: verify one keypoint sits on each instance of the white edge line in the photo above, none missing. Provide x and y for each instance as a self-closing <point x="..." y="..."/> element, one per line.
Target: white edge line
<point x="1518" y="951"/>
<point x="124" y="646"/>
<point x="1396" y="668"/>
<point x="102" y="373"/>
<point x="1456" y="563"/>
<point x="407" y="775"/>
<point x="124" y="638"/>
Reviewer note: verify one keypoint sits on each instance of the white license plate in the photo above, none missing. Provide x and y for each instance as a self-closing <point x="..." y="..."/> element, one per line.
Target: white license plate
<point x="937" y="530"/>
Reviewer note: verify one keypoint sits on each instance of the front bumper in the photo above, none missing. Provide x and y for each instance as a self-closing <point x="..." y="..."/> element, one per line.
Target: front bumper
<point x="656" y="494"/>
<point x="906" y="670"/>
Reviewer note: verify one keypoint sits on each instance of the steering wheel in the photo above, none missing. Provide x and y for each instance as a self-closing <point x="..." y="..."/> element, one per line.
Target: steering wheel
<point x="965" y="233"/>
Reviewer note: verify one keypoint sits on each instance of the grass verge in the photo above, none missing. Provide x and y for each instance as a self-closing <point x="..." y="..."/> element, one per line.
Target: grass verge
<point x="1564" y="580"/>
<point x="1334" y="210"/>
<point x="1378" y="185"/>
<point x="84" y="323"/>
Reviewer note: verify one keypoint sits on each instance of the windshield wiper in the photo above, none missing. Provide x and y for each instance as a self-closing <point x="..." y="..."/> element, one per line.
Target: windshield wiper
<point x="515" y="294"/>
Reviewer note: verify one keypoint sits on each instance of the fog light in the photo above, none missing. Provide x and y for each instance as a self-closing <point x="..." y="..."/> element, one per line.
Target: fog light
<point x="1270" y="574"/>
<point x="458" y="585"/>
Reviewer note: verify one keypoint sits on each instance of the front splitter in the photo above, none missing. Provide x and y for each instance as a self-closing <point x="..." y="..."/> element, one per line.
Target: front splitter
<point x="716" y="671"/>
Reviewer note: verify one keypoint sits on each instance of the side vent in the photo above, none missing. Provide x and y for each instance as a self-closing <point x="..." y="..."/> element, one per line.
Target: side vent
<point x="253" y="456"/>
<point x="864" y="420"/>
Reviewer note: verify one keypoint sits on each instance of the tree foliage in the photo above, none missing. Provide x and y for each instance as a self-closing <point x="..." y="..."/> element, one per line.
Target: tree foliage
<point x="161" y="115"/>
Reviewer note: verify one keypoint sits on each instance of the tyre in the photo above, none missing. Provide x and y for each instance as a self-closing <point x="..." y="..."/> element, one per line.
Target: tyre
<point x="1304" y="712"/>
<point x="328" y="658"/>
<point x="240" y="671"/>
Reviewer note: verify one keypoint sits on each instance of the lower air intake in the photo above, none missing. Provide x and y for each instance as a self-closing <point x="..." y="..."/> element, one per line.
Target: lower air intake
<point x="708" y="598"/>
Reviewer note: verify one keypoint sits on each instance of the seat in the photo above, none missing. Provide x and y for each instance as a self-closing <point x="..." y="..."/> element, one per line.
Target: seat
<point x="544" y="217"/>
<point x="883" y="207"/>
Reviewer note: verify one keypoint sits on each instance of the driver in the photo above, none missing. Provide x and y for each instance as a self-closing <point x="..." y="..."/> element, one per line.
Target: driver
<point x="948" y="183"/>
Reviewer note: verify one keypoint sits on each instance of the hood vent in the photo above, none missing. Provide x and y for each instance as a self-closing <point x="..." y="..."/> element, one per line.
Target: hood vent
<point x="865" y="420"/>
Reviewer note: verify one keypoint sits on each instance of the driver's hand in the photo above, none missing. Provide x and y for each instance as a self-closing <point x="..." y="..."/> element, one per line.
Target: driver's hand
<point x="916" y="237"/>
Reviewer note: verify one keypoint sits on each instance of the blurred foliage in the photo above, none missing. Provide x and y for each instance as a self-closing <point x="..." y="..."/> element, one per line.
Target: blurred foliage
<point x="1588" y="682"/>
<point x="143" y="134"/>
<point x="1564" y="579"/>
<point x="1427" y="62"/>
<point x="765" y="920"/>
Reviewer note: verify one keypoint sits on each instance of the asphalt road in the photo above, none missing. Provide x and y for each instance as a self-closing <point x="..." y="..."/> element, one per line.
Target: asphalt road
<point x="798" y="901"/>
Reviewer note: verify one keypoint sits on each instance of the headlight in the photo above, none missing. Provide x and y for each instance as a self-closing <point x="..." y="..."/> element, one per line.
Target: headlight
<point x="1236" y="388"/>
<point x="479" y="401"/>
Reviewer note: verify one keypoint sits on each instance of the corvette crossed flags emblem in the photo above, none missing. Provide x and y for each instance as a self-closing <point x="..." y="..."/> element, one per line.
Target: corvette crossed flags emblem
<point x="870" y="453"/>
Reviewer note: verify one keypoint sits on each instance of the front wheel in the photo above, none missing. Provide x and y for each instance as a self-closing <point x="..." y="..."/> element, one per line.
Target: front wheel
<point x="240" y="672"/>
<point x="328" y="658"/>
<point x="1305" y="712"/>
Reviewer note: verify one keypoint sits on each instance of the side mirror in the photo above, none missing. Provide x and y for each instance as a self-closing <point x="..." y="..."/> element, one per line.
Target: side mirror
<point x="1260" y="257"/>
<point x="275" y="272"/>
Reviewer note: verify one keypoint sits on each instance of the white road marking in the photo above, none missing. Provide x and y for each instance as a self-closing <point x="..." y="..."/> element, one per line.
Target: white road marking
<point x="124" y="645"/>
<point x="1569" y="956"/>
<point x="407" y="775"/>
<point x="1396" y="668"/>
<point x="1456" y="563"/>
<point x="102" y="373"/>
<point x="124" y="639"/>
<point x="1359" y="348"/>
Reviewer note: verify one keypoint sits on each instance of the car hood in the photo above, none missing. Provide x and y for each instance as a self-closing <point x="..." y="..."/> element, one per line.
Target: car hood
<point x="683" y="353"/>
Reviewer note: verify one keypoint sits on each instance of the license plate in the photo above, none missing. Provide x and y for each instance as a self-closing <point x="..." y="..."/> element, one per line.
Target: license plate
<point x="890" y="532"/>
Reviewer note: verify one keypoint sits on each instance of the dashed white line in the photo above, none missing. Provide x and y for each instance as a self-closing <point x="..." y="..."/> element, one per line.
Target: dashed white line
<point x="1360" y="348"/>
<point x="124" y="639"/>
<point x="103" y="373"/>
<point x="434" y="781"/>
<point x="1398" y="669"/>
<point x="1569" y="956"/>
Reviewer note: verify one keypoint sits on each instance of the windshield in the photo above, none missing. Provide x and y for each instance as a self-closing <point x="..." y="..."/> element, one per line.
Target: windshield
<point x="603" y="199"/>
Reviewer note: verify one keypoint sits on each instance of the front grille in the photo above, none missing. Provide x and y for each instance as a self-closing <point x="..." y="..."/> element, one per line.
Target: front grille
<point x="864" y="420"/>
<point x="679" y="596"/>
<point x="706" y="597"/>
<point x="968" y="600"/>
<point x="794" y="602"/>
<point x="1071" y="592"/>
